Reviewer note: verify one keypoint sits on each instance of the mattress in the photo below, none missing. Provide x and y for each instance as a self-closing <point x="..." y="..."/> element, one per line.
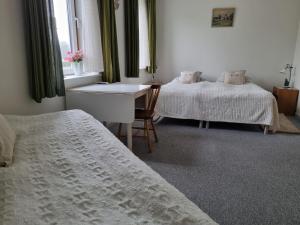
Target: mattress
<point x="69" y="169"/>
<point x="219" y="102"/>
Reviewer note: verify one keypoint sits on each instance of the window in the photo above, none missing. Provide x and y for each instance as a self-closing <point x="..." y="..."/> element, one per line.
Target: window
<point x="78" y="27"/>
<point x="67" y="37"/>
<point x="90" y="36"/>
<point x="143" y="35"/>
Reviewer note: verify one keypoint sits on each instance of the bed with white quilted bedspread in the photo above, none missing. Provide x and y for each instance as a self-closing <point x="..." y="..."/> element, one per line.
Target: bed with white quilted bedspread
<point x="69" y="169"/>
<point x="219" y="102"/>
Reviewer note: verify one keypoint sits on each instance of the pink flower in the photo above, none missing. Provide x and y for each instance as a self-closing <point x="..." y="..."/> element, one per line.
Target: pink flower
<point x="74" y="57"/>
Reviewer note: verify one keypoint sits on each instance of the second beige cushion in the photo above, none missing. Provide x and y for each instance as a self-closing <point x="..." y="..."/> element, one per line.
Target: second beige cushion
<point x="234" y="78"/>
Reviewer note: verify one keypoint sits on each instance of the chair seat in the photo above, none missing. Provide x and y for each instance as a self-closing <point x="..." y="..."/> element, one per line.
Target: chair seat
<point x="143" y="114"/>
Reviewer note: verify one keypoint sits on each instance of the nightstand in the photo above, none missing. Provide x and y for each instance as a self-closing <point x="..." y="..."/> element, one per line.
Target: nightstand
<point x="287" y="99"/>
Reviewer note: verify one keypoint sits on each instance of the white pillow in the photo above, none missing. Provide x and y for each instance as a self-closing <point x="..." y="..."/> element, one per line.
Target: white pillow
<point x="237" y="73"/>
<point x="189" y="77"/>
<point x="7" y="142"/>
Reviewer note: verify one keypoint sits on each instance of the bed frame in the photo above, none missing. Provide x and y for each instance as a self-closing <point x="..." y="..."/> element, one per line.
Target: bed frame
<point x="201" y="123"/>
<point x="234" y="99"/>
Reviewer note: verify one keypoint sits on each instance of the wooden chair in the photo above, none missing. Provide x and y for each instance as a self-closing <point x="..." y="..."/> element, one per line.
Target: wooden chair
<point x="147" y="115"/>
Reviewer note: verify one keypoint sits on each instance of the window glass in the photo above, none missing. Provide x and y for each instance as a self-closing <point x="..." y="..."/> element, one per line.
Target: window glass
<point x="63" y="30"/>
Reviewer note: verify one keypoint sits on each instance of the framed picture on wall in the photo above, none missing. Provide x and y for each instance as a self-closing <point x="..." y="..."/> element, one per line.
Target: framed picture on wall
<point x="223" y="17"/>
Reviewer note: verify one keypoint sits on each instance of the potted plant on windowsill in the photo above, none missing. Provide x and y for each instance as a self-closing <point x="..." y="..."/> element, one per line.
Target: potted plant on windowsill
<point x="75" y="58"/>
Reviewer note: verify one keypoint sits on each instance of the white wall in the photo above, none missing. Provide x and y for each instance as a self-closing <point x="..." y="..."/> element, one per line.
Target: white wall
<point x="297" y="65"/>
<point x="14" y="91"/>
<point x="262" y="40"/>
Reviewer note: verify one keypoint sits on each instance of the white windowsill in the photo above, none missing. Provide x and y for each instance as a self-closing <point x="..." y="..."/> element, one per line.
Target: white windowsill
<point x="84" y="75"/>
<point x="72" y="81"/>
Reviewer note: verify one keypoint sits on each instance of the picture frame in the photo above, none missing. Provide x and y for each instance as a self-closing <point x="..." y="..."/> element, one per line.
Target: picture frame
<point x="223" y="17"/>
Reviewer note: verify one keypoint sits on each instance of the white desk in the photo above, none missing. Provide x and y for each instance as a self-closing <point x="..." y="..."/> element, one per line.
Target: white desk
<point x="113" y="103"/>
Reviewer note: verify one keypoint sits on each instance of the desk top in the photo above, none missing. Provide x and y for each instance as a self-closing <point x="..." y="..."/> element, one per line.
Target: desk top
<point x="286" y="88"/>
<point x="112" y="88"/>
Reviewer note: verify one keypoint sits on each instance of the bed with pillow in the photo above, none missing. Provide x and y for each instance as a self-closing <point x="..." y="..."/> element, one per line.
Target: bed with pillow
<point x="232" y="99"/>
<point x="67" y="168"/>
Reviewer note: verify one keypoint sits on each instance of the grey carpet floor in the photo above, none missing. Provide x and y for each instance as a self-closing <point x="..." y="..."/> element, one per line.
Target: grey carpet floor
<point x="233" y="172"/>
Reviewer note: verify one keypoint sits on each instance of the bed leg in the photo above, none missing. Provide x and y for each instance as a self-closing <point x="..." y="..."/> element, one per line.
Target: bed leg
<point x="201" y="124"/>
<point x="207" y="124"/>
<point x="266" y="130"/>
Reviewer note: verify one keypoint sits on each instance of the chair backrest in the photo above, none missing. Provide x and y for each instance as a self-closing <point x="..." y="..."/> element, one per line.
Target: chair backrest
<point x="155" y="89"/>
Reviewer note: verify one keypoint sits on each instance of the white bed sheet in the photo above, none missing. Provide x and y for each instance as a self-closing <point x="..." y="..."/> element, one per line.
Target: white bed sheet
<point x="69" y="169"/>
<point x="219" y="102"/>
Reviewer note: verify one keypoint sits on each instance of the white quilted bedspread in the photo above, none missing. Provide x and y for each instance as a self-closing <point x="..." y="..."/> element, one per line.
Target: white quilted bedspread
<point x="69" y="169"/>
<point x="216" y="101"/>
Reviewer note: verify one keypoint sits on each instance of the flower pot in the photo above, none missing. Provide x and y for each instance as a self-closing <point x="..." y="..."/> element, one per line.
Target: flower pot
<point x="77" y="68"/>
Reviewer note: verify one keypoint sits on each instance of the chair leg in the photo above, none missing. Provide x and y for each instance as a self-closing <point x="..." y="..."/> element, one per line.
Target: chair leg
<point x="120" y="131"/>
<point x="154" y="131"/>
<point x="148" y="136"/>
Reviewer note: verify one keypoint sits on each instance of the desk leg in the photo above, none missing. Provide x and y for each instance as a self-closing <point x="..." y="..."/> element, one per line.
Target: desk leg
<point x="129" y="136"/>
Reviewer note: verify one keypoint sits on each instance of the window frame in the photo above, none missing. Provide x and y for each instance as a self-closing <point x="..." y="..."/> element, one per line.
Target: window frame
<point x="73" y="29"/>
<point x="73" y="24"/>
<point x="73" y="33"/>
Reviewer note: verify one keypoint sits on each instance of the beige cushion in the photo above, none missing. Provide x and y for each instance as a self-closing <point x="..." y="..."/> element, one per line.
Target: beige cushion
<point x="189" y="77"/>
<point x="7" y="142"/>
<point x="242" y="72"/>
<point x="235" y="77"/>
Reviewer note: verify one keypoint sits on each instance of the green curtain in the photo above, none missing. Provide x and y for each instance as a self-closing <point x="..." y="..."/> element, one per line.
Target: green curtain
<point x="151" y="14"/>
<point x="109" y="41"/>
<point x="131" y="11"/>
<point x="43" y="51"/>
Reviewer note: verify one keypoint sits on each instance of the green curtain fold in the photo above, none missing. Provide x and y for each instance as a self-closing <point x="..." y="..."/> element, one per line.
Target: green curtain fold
<point x="109" y="41"/>
<point x="131" y="12"/>
<point x="43" y="51"/>
<point x="151" y="14"/>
